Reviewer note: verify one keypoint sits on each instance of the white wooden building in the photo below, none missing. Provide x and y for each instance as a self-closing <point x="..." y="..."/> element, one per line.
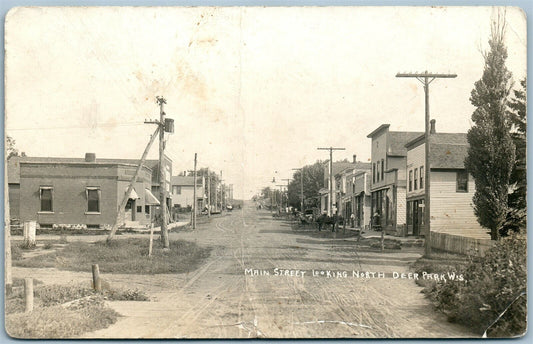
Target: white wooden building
<point x="452" y="187"/>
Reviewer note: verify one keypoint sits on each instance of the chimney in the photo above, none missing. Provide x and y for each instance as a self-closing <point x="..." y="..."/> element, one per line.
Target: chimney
<point x="432" y="127"/>
<point x="90" y="157"/>
<point x="354" y="158"/>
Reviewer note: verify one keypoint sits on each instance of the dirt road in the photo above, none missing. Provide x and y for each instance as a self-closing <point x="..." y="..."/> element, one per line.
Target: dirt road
<point x="226" y="298"/>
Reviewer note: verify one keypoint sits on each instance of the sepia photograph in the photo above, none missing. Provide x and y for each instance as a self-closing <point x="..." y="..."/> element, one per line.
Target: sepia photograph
<point x="334" y="172"/>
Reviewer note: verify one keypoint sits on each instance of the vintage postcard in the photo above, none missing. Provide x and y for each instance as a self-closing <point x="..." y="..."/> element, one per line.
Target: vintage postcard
<point x="279" y="172"/>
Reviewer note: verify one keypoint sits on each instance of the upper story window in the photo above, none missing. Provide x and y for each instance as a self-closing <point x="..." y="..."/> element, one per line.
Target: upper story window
<point x="415" y="180"/>
<point x="421" y="177"/>
<point x="46" y="194"/>
<point x="93" y="199"/>
<point x="373" y="172"/>
<point x="411" y="180"/>
<point x="377" y="172"/>
<point x="462" y="181"/>
<point x="176" y="189"/>
<point x="382" y="168"/>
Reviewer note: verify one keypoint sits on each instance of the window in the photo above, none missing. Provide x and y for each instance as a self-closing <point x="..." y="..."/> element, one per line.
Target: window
<point x="147" y="209"/>
<point x="411" y="180"/>
<point x="139" y="208"/>
<point x="382" y="168"/>
<point x="176" y="190"/>
<point x="46" y="196"/>
<point x="416" y="179"/>
<point x="421" y="177"/>
<point x="93" y="199"/>
<point x="462" y="181"/>
<point x="373" y="172"/>
<point x="377" y="172"/>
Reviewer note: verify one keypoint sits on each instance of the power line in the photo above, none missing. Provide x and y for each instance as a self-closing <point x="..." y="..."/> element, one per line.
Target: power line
<point x="77" y="127"/>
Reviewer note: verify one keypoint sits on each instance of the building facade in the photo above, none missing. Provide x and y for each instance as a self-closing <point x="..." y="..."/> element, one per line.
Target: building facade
<point x="183" y="192"/>
<point x="83" y="193"/>
<point x="388" y="177"/>
<point x="452" y="187"/>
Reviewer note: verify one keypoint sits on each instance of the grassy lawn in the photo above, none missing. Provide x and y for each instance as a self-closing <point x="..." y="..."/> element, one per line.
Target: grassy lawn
<point x="63" y="311"/>
<point x="127" y="256"/>
<point x="439" y="262"/>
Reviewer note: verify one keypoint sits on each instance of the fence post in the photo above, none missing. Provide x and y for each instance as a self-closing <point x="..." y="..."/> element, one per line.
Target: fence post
<point x="29" y="233"/>
<point x="97" y="282"/>
<point x="151" y="239"/>
<point x="28" y="294"/>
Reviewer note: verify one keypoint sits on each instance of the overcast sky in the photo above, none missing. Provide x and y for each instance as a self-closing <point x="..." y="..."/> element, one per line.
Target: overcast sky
<point x="251" y="90"/>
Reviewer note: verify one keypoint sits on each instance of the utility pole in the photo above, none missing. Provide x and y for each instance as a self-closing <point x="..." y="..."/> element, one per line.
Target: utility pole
<point x="426" y="78"/>
<point x="331" y="149"/>
<point x="194" y="196"/>
<point x="221" y="192"/>
<point x="162" y="175"/>
<point x="301" y="187"/>
<point x="208" y="193"/>
<point x="280" y="195"/>
<point x="287" y="179"/>
<point x="120" y="210"/>
<point x="8" y="277"/>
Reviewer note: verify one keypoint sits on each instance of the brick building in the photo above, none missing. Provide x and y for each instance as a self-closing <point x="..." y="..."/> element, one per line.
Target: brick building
<point x="80" y="192"/>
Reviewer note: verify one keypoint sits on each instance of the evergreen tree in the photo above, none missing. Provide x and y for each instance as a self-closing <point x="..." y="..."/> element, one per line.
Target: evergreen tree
<point x="517" y="117"/>
<point x="491" y="152"/>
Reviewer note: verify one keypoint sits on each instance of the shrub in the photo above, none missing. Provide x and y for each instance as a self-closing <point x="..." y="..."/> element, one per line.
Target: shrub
<point x="492" y="284"/>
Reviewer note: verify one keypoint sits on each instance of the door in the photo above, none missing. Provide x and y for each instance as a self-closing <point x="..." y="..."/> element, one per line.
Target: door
<point x="130" y="210"/>
<point x="415" y="219"/>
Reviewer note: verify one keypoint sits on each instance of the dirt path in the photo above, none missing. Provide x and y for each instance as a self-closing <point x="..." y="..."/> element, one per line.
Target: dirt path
<point x="221" y="300"/>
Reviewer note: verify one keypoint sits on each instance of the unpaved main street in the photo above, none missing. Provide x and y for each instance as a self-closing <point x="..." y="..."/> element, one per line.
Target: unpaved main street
<point x="223" y="300"/>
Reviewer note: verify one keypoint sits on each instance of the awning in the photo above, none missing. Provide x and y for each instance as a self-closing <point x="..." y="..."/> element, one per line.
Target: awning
<point x="133" y="194"/>
<point x="149" y="198"/>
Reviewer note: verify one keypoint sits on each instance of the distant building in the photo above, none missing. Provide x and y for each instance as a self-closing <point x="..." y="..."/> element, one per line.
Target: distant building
<point x="324" y="192"/>
<point x="388" y="178"/>
<point x="77" y="192"/>
<point x="183" y="192"/>
<point x="452" y="187"/>
<point x="345" y="187"/>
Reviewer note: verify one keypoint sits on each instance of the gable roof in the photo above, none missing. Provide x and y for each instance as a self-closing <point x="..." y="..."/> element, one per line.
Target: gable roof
<point x="448" y="150"/>
<point x="398" y="139"/>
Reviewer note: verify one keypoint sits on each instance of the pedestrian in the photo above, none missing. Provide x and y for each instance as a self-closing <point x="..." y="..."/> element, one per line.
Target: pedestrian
<point x="377" y="220"/>
<point x="352" y="220"/>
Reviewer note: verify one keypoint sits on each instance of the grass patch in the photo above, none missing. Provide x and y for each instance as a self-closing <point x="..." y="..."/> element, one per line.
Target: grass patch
<point x="59" y="322"/>
<point x="440" y="262"/>
<point x="127" y="256"/>
<point x="63" y="311"/>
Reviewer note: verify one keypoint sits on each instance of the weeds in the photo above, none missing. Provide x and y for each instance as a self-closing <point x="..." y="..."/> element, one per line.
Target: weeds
<point x="129" y="256"/>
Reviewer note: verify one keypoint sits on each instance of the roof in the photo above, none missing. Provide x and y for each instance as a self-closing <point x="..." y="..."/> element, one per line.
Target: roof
<point x="379" y="129"/>
<point x="186" y="181"/>
<point x="398" y="139"/>
<point x="448" y="150"/>
<point x="357" y="166"/>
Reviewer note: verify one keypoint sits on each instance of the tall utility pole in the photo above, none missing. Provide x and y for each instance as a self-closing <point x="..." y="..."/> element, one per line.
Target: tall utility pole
<point x="208" y="193"/>
<point x="287" y="179"/>
<point x="301" y="187"/>
<point x="281" y="195"/>
<point x="162" y="175"/>
<point x="331" y="149"/>
<point x="194" y="196"/>
<point x="426" y="79"/>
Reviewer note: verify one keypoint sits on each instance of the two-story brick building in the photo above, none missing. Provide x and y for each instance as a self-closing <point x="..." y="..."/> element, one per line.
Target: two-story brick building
<point x="80" y="192"/>
<point x="388" y="176"/>
<point x="452" y="187"/>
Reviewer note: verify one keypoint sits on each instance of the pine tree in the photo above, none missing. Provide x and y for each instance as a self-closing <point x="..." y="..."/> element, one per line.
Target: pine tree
<point x="517" y="117"/>
<point x="491" y="152"/>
